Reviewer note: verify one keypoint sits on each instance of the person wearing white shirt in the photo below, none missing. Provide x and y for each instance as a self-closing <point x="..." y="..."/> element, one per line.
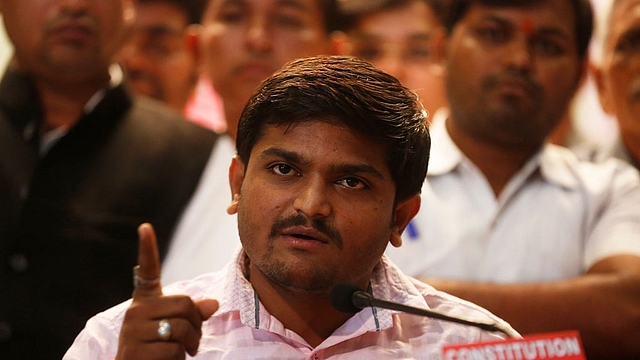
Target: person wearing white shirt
<point x="332" y="153"/>
<point x="241" y="44"/>
<point x="508" y="221"/>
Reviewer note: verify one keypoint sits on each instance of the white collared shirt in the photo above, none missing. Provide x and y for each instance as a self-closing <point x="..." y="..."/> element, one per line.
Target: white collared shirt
<point x="554" y="219"/>
<point x="243" y="329"/>
<point x="206" y="236"/>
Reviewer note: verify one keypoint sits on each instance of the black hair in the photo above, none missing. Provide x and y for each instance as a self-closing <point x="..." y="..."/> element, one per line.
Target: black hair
<point x="194" y="9"/>
<point x="353" y="10"/>
<point x="349" y="92"/>
<point x="583" y="11"/>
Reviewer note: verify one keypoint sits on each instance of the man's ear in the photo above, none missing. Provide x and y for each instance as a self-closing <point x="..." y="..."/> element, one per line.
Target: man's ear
<point x="437" y="48"/>
<point x="192" y="39"/>
<point x="606" y="103"/>
<point x="438" y="44"/>
<point x="236" y="176"/>
<point x="405" y="211"/>
<point x="129" y="11"/>
<point x="442" y="48"/>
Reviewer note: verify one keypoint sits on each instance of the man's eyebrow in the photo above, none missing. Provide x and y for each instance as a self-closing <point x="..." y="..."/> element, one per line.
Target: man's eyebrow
<point x="160" y="30"/>
<point x="294" y="4"/>
<point x="345" y="168"/>
<point x="496" y="19"/>
<point x="414" y="36"/>
<point x="421" y="36"/>
<point x="365" y="36"/>
<point x="233" y="2"/>
<point x="357" y="169"/>
<point x="287" y="155"/>
<point x="555" y="32"/>
<point x="544" y="29"/>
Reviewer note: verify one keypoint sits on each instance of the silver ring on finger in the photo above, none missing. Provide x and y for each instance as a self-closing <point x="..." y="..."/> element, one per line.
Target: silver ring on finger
<point x="141" y="282"/>
<point x="164" y="330"/>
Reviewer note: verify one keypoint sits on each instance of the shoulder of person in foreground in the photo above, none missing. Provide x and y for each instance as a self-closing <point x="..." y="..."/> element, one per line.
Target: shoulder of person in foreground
<point x="99" y="338"/>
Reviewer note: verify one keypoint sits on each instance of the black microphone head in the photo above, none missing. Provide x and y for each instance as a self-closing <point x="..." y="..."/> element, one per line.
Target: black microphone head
<point x="342" y="297"/>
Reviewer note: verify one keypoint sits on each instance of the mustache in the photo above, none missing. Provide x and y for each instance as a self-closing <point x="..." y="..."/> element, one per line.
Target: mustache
<point x="77" y="18"/>
<point x="510" y="75"/>
<point x="320" y="225"/>
<point x="132" y="75"/>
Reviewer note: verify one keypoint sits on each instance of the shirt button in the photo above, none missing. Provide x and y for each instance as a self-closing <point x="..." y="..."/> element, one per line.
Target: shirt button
<point x="316" y="357"/>
<point x="5" y="331"/>
<point x="19" y="263"/>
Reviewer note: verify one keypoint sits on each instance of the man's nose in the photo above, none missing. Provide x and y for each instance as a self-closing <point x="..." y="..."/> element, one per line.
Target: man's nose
<point x="258" y="36"/>
<point x="74" y="6"/>
<point x="313" y="199"/>
<point x="519" y="54"/>
<point x="392" y="63"/>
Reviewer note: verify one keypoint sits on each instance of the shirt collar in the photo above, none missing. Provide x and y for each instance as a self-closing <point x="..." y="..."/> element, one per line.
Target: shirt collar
<point x="445" y="155"/>
<point x="554" y="162"/>
<point x="116" y="76"/>
<point x="238" y="293"/>
<point x="17" y="100"/>
<point x="557" y="165"/>
<point x="618" y="150"/>
<point x="387" y="283"/>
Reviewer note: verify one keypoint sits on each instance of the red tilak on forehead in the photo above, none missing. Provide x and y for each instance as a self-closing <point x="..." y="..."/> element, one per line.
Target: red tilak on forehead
<point x="527" y="25"/>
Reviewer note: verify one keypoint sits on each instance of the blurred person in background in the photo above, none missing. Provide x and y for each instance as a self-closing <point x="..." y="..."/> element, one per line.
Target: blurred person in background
<point x="618" y="79"/>
<point x="160" y="55"/>
<point x="508" y="220"/>
<point x="401" y="37"/>
<point x="161" y="59"/>
<point x="241" y="44"/>
<point x="82" y="163"/>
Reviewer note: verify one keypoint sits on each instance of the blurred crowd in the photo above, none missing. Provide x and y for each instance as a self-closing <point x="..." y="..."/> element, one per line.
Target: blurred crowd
<point x="531" y="207"/>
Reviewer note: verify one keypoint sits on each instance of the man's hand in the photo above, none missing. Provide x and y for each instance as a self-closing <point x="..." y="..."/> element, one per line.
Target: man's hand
<point x="140" y="337"/>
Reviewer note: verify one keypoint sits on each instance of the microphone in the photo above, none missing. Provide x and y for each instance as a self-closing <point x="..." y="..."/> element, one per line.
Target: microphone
<point x="349" y="298"/>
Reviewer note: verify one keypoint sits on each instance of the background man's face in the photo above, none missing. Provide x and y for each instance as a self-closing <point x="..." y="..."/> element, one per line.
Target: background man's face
<point x="511" y="71"/>
<point x="55" y="37"/>
<point x="158" y="61"/>
<point x="244" y="42"/>
<point x="402" y="42"/>
<point x="619" y="83"/>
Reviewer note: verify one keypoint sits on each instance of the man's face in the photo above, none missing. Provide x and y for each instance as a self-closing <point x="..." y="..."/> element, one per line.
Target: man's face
<point x="315" y="206"/>
<point x="245" y="41"/>
<point x="402" y="42"/>
<point x="157" y="56"/>
<point x="511" y="71"/>
<point x="619" y="78"/>
<point x="57" y="38"/>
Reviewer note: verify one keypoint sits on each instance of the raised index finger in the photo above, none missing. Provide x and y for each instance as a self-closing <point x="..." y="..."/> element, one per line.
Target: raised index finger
<point x="147" y="273"/>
